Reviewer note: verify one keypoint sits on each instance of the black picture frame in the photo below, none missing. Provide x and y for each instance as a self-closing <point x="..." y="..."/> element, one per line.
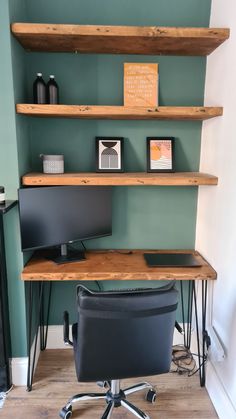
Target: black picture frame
<point x="163" y="165"/>
<point x="116" y="159"/>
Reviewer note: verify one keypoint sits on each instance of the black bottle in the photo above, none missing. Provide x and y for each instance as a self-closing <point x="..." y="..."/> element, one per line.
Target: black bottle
<point x="39" y="89"/>
<point x="52" y="91"/>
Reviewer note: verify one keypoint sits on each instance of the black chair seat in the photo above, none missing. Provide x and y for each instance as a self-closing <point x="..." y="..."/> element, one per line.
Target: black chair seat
<point x="123" y="334"/>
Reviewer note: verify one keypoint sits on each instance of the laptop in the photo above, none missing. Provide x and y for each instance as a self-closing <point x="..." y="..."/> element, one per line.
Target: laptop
<point x="171" y="259"/>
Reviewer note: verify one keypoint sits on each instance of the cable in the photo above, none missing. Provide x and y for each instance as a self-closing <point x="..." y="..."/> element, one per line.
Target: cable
<point x="185" y="362"/>
<point x="96" y="282"/>
<point x="98" y="285"/>
<point x="200" y="366"/>
<point x="121" y="252"/>
<point x="83" y="245"/>
<point x="12" y="386"/>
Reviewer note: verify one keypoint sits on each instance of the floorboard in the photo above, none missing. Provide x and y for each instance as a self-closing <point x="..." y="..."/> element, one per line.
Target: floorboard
<point x="179" y="397"/>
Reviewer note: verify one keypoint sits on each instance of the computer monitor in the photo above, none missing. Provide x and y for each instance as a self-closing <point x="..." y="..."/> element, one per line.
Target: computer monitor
<point x="59" y="215"/>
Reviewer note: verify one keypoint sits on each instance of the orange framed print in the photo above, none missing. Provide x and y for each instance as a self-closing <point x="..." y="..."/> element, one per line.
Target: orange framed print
<point x="160" y="154"/>
<point x="140" y="84"/>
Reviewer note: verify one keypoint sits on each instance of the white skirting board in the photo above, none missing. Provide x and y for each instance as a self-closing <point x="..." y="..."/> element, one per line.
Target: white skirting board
<point x="19" y="365"/>
<point x="218" y="395"/>
<point x="214" y="387"/>
<point x="19" y="371"/>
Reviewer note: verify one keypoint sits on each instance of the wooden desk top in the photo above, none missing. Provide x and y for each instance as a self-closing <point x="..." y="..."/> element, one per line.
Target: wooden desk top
<point x="114" y="265"/>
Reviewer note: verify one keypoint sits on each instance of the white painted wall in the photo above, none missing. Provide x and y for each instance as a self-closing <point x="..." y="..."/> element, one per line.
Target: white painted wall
<point x="216" y="217"/>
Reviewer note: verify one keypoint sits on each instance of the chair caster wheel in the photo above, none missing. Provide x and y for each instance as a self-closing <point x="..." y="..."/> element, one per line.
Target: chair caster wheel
<point x="66" y="412"/>
<point x="151" y="396"/>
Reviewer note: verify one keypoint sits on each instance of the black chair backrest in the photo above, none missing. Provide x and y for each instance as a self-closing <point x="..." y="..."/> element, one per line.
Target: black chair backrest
<point x="125" y="333"/>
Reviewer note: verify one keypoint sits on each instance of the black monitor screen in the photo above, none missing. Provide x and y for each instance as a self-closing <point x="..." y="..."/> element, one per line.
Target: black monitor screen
<point x="51" y="216"/>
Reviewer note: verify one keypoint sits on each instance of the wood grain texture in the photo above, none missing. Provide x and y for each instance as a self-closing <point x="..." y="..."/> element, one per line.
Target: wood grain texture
<point x="113" y="265"/>
<point x="152" y="40"/>
<point x="178" y="113"/>
<point x="179" y="397"/>
<point x="120" y="179"/>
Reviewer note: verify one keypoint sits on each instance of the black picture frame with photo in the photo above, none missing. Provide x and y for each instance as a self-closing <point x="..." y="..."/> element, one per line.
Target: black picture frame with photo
<point x="109" y="154"/>
<point x="160" y="154"/>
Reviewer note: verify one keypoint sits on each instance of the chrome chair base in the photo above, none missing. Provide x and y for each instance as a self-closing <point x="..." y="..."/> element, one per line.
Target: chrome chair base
<point x="114" y="397"/>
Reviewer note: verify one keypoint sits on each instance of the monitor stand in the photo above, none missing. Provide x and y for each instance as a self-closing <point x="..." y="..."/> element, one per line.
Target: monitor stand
<point x="66" y="254"/>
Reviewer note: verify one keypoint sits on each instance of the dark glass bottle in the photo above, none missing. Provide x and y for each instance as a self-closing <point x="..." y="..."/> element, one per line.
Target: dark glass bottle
<point x="52" y="91"/>
<point x="39" y="89"/>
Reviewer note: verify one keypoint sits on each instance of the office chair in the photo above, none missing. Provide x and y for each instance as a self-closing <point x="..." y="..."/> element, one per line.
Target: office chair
<point x="121" y="334"/>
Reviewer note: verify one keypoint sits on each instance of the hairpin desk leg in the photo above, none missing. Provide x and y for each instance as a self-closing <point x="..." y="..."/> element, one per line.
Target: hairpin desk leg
<point x="30" y="369"/>
<point x="205" y="338"/>
<point x="43" y="325"/>
<point x="30" y="298"/>
<point x="39" y="324"/>
<point x="183" y="312"/>
<point x="187" y="315"/>
<point x="190" y="311"/>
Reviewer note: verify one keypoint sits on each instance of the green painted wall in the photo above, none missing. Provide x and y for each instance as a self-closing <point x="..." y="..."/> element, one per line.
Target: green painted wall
<point x="122" y="12"/>
<point x="143" y="217"/>
<point x="8" y="150"/>
<point x="12" y="133"/>
<point x="18" y="12"/>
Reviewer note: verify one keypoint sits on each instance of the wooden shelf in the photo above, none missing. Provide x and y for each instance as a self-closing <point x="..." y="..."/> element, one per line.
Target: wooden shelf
<point x="146" y="40"/>
<point x="112" y="265"/>
<point x="192" y="113"/>
<point x="120" y="179"/>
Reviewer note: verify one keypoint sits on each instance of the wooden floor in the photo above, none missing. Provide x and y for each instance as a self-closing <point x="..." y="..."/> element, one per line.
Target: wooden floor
<point x="55" y="382"/>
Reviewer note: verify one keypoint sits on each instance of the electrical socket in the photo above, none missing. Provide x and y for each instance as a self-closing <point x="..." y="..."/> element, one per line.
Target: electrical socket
<point x="216" y="351"/>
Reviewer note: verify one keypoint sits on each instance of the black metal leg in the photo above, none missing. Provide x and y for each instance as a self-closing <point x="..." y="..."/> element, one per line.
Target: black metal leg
<point x="197" y="332"/>
<point x="187" y="324"/>
<point x="47" y="318"/>
<point x="31" y="371"/>
<point x="183" y="314"/>
<point x="201" y="356"/>
<point x="43" y="326"/>
<point x="39" y="324"/>
<point x="29" y="383"/>
<point x="41" y="315"/>
<point x="204" y="332"/>
<point x="189" y="318"/>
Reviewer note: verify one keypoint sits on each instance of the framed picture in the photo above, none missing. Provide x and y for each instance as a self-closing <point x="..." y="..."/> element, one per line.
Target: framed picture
<point x="160" y="154"/>
<point x="109" y="154"/>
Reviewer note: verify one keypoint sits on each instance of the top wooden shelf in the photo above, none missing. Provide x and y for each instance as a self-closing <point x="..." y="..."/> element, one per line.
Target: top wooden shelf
<point x="178" y="113"/>
<point x="146" y="40"/>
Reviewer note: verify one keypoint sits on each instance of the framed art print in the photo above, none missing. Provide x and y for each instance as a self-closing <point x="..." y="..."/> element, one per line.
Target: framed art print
<point x="160" y="154"/>
<point x="109" y="154"/>
<point x="140" y="84"/>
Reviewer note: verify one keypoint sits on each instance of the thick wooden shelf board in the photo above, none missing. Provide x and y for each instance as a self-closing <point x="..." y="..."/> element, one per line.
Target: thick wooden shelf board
<point x="111" y="265"/>
<point x="152" y="40"/>
<point x="120" y="179"/>
<point x="120" y="112"/>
